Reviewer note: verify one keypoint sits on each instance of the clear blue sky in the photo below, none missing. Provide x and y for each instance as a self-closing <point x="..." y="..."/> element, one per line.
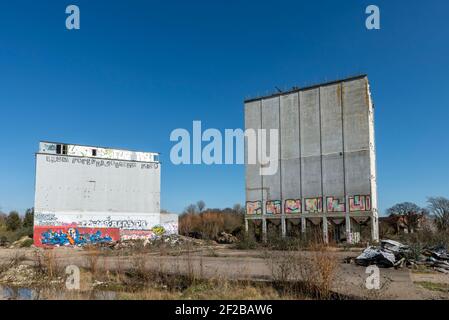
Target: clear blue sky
<point x="139" y="69"/>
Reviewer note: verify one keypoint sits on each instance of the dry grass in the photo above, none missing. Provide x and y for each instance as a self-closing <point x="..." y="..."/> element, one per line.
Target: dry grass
<point x="312" y="273"/>
<point x="207" y="225"/>
<point x="208" y="290"/>
<point x="92" y="258"/>
<point x="47" y="264"/>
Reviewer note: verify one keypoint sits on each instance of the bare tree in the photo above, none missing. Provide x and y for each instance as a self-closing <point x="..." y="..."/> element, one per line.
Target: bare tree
<point x="408" y="213"/>
<point x="439" y="206"/>
<point x="237" y="208"/>
<point x="201" y="205"/>
<point x="191" y="209"/>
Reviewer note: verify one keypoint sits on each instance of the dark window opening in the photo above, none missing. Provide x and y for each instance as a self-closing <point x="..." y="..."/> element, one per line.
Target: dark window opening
<point x="61" y="149"/>
<point x="94" y="152"/>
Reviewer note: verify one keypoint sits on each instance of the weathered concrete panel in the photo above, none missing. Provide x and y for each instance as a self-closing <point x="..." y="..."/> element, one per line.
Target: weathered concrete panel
<point x="311" y="176"/>
<point x="291" y="180"/>
<point x="355" y="115"/>
<point x="78" y="184"/>
<point x="331" y="119"/>
<point x="270" y="120"/>
<point x="253" y="179"/>
<point x="290" y="151"/>
<point x="333" y="175"/>
<point x="290" y="126"/>
<point x="357" y="165"/>
<point x="310" y="123"/>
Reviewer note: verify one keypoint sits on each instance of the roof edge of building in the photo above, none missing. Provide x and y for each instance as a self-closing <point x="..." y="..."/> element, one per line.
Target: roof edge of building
<point x="91" y="146"/>
<point x="298" y="89"/>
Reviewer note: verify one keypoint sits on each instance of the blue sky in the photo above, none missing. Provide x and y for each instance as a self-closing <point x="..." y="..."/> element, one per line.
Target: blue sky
<point x="139" y="69"/>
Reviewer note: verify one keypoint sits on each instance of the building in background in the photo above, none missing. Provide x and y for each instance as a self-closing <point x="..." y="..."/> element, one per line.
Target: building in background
<point x="326" y="179"/>
<point x="87" y="194"/>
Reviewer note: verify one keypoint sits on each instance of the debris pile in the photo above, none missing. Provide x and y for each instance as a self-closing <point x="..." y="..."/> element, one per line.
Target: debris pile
<point x="395" y="254"/>
<point x="171" y="241"/>
<point x="226" y="238"/>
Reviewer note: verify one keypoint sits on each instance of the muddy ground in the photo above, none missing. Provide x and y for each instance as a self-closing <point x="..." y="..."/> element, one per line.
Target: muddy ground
<point x="224" y="262"/>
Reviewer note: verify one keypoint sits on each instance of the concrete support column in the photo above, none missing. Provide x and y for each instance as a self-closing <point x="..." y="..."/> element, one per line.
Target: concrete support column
<point x="374" y="228"/>
<point x="348" y="229"/>
<point x="246" y="225"/>
<point x="325" y="231"/>
<point x="264" y="229"/>
<point x="303" y="225"/>
<point x="283" y="227"/>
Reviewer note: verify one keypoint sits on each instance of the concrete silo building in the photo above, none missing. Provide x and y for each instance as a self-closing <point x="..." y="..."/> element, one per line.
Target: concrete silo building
<point x="86" y="194"/>
<point x="326" y="177"/>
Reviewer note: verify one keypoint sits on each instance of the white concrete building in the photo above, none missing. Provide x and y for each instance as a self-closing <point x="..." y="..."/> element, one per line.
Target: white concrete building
<point x="97" y="188"/>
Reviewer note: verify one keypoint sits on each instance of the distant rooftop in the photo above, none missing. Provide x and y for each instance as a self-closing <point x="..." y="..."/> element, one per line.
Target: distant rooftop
<point x="297" y="89"/>
<point x="76" y="150"/>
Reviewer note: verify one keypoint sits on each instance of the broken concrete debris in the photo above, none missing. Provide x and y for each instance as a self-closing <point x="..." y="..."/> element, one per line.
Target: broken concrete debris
<point x="395" y="254"/>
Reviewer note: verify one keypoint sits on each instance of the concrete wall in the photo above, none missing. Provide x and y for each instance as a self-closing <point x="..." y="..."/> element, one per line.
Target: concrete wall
<point x="327" y="152"/>
<point x="97" y="193"/>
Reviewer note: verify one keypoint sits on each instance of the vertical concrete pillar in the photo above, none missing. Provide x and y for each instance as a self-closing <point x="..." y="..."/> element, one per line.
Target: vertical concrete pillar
<point x="374" y="228"/>
<point x="325" y="231"/>
<point x="348" y="228"/>
<point x="283" y="227"/>
<point x="264" y="229"/>
<point x="303" y="225"/>
<point x="246" y="225"/>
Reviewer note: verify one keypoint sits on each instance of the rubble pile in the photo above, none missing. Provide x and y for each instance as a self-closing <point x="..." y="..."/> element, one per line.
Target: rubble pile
<point x="395" y="254"/>
<point x="226" y="238"/>
<point x="172" y="241"/>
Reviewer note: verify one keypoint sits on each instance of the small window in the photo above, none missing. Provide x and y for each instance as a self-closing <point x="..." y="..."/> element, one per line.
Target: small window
<point x="58" y="149"/>
<point x="156" y="158"/>
<point x="64" y="149"/>
<point x="94" y="152"/>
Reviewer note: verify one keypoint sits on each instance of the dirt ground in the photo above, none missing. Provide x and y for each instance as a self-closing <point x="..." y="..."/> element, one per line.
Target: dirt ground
<point x="223" y="262"/>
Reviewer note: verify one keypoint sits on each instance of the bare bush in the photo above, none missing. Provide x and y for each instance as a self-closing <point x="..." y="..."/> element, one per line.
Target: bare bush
<point x="47" y="263"/>
<point x="313" y="271"/>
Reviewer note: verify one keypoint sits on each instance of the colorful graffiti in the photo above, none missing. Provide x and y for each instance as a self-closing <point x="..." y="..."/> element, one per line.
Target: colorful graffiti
<point x="359" y="203"/>
<point x="335" y="204"/>
<point x="155" y="232"/>
<point x="292" y="206"/>
<point x="273" y="207"/>
<point x="253" y="207"/>
<point x="312" y="205"/>
<point x="72" y="235"/>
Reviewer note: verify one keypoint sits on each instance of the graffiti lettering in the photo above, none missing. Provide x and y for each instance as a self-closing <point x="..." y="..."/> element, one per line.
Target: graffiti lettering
<point x="292" y="206"/>
<point x="254" y="207"/>
<point x="313" y="205"/>
<point x="273" y="207"/>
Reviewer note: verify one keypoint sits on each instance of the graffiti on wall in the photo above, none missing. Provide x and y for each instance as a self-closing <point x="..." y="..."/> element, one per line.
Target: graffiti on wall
<point x="253" y="207"/>
<point x="110" y="223"/>
<point x="292" y="206"/>
<point x="101" y="163"/>
<point x="73" y="235"/>
<point x="312" y="205"/>
<point x="45" y="219"/>
<point x="335" y="204"/>
<point x="160" y="230"/>
<point x="273" y="207"/>
<point x="360" y="203"/>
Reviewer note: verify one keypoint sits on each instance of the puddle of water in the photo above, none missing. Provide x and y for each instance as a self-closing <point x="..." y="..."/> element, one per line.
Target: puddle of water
<point x="24" y="293"/>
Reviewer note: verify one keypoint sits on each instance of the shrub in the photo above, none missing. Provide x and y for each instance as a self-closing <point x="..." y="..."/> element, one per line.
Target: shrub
<point x="13" y="221"/>
<point x="209" y="224"/>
